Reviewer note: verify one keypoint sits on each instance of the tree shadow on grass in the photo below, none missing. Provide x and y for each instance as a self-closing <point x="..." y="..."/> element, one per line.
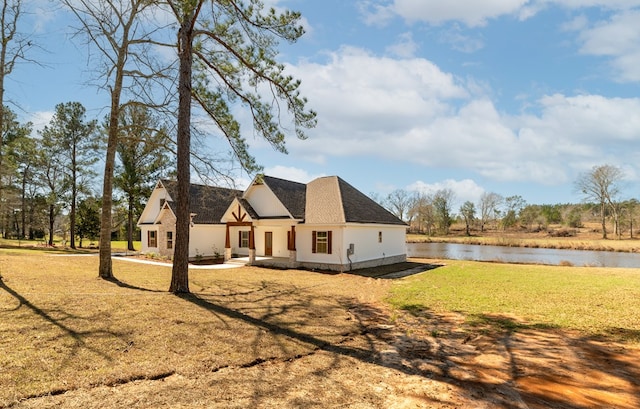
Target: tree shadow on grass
<point x="423" y="343"/>
<point x="374" y="342"/>
<point x="78" y="337"/>
<point x="122" y="284"/>
<point x="316" y="342"/>
<point x="430" y="346"/>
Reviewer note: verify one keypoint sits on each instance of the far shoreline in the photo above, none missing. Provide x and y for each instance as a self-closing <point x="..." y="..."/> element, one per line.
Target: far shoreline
<point x="583" y="239"/>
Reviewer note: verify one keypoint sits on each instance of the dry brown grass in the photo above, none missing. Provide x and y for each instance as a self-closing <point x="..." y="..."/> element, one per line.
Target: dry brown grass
<point x="250" y="337"/>
<point x="63" y="329"/>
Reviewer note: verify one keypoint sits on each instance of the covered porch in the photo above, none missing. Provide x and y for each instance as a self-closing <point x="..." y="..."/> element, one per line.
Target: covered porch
<point x="261" y="244"/>
<point x="265" y="261"/>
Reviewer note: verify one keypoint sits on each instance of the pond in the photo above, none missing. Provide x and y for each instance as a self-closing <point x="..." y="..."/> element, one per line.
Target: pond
<point x="455" y="251"/>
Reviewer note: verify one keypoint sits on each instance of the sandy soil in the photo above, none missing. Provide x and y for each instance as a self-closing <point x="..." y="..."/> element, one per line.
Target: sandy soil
<point x="390" y="359"/>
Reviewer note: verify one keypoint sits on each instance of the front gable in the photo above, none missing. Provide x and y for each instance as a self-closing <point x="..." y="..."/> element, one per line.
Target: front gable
<point x="264" y="201"/>
<point x="238" y="212"/>
<point x="156" y="203"/>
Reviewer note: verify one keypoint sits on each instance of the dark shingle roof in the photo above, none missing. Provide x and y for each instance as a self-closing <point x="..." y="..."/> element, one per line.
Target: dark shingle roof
<point x="207" y="202"/>
<point x="291" y="194"/>
<point x="248" y="208"/>
<point x="359" y="208"/>
<point x="210" y="203"/>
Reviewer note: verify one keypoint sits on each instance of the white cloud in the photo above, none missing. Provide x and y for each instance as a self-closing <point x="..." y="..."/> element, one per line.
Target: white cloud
<point x="410" y="110"/>
<point x="461" y="42"/>
<point x="405" y="47"/>
<point x="474" y="13"/>
<point x="580" y="4"/>
<point x="290" y="173"/>
<point x="578" y="23"/>
<point x="617" y="38"/>
<point x="471" y="13"/>
<point x="463" y="190"/>
<point x="374" y="13"/>
<point x="40" y="119"/>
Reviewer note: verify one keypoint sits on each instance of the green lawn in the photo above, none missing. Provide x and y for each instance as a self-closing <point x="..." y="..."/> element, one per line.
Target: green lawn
<point x="600" y="301"/>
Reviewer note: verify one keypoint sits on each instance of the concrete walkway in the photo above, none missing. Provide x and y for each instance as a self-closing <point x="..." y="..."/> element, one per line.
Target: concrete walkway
<point x="234" y="263"/>
<point x="168" y="264"/>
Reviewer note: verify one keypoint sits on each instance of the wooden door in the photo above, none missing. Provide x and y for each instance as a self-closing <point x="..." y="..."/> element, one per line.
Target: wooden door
<point x="268" y="243"/>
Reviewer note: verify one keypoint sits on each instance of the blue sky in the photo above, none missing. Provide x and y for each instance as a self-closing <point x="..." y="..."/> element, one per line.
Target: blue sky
<point x="514" y="97"/>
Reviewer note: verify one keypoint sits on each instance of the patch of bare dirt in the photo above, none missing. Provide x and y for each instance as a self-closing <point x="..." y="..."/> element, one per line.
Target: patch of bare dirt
<point x="528" y="368"/>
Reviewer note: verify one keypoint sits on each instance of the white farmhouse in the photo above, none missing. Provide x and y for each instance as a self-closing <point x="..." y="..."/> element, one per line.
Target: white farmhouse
<point x="326" y="224"/>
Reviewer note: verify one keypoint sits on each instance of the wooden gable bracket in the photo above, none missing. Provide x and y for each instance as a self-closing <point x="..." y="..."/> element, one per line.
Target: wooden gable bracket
<point x="238" y="218"/>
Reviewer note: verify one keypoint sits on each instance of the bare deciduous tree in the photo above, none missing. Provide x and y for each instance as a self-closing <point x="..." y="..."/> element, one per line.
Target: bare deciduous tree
<point x="399" y="203"/>
<point x="602" y="185"/>
<point x="489" y="208"/>
<point x="116" y="29"/>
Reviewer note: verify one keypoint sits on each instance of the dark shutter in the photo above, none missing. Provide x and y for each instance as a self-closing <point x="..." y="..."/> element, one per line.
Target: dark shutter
<point x="313" y="241"/>
<point x="329" y="241"/>
<point x="240" y="239"/>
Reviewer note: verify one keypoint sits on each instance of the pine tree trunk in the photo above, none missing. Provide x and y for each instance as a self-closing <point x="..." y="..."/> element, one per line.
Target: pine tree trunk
<point x="74" y="197"/>
<point x="180" y="272"/>
<point x="23" y="204"/>
<point x="51" y="220"/>
<point x="130" y="225"/>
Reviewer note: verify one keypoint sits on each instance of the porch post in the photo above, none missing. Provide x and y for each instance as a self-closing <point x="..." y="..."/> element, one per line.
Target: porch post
<point x="227" y="244"/>
<point x="293" y="238"/>
<point x="252" y="246"/>
<point x="293" y="255"/>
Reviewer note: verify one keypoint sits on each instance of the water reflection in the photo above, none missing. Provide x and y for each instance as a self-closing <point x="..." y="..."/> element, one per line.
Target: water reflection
<point x="525" y="255"/>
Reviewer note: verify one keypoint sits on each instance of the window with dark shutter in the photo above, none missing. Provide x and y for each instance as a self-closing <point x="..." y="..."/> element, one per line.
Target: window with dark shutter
<point x="321" y="242"/>
<point x="243" y="239"/>
<point x="313" y="241"/>
<point x="152" y="241"/>
<point x="169" y="239"/>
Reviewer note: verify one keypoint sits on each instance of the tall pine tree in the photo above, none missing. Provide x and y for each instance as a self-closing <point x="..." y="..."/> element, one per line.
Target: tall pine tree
<point x="227" y="55"/>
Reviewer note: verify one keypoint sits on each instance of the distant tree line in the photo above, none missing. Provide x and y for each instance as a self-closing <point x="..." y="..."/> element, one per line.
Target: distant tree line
<point x="47" y="179"/>
<point x="601" y="190"/>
